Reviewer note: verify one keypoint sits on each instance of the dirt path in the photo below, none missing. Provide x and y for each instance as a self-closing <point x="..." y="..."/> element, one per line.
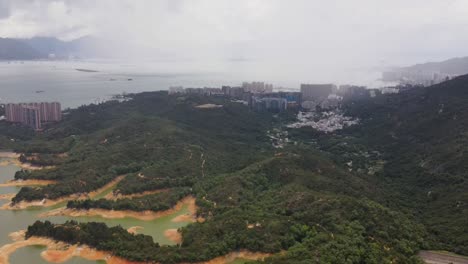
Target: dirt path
<point x="440" y="257"/>
<point x="134" y="229"/>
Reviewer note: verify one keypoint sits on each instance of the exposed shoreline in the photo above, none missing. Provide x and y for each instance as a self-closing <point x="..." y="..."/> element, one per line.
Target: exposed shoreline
<point x="14" y="160"/>
<point x="244" y="254"/>
<point x="173" y="235"/>
<point x="111" y="214"/>
<point x="7" y="196"/>
<point x="47" y="203"/>
<point x="9" y="155"/>
<point x="58" y="252"/>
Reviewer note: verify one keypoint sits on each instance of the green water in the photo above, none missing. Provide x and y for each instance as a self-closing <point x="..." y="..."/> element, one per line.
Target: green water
<point x="7" y="173"/>
<point x="12" y="221"/>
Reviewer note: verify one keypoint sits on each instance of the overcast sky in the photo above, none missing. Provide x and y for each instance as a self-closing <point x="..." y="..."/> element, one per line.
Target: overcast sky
<point x="355" y="33"/>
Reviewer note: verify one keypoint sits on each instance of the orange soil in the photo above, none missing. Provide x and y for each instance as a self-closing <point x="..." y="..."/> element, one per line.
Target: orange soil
<point x="190" y="217"/>
<point x="134" y="229"/>
<point x="14" y="159"/>
<point x="47" y="203"/>
<point x="18" y="235"/>
<point x="9" y="249"/>
<point x="59" y="252"/>
<point x="8" y="196"/>
<point x="244" y="254"/>
<point x="9" y="155"/>
<point x="60" y="256"/>
<point x="112" y="196"/>
<point x="186" y="218"/>
<point x="173" y="235"/>
<point x="111" y="214"/>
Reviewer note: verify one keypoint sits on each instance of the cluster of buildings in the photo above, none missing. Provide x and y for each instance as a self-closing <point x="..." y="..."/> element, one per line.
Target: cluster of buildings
<point x="33" y="115"/>
<point x="261" y="97"/>
<point x="327" y="122"/>
<point x="257" y="87"/>
<point x="258" y="95"/>
<point x="330" y="96"/>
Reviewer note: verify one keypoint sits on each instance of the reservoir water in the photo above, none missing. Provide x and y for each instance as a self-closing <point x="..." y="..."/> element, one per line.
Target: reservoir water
<point x="12" y="221"/>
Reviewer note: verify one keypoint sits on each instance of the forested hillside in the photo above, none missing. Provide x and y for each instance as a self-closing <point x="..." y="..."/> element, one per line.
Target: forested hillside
<point x="377" y="192"/>
<point x="417" y="140"/>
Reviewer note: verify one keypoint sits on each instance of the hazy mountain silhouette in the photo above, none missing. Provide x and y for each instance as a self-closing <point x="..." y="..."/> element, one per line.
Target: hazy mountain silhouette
<point x="11" y="49"/>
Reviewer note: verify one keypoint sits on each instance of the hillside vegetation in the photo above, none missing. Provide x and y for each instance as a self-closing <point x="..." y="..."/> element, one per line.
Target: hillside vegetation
<point x="377" y="192"/>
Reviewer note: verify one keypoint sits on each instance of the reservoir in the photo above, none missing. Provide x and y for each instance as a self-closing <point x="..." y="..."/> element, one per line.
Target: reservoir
<point x="12" y="221"/>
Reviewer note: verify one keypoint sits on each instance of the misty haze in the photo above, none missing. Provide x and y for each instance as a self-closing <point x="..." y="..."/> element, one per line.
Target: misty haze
<point x="233" y="132"/>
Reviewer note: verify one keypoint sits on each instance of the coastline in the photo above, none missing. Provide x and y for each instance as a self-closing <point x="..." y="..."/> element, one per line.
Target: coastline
<point x="111" y="214"/>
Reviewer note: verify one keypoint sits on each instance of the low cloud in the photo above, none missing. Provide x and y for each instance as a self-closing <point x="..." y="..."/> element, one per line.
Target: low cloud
<point x="306" y="34"/>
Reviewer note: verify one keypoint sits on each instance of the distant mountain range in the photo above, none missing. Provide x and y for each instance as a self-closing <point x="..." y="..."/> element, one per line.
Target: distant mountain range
<point x="11" y="49"/>
<point x="46" y="47"/>
<point x="455" y="66"/>
<point x="427" y="74"/>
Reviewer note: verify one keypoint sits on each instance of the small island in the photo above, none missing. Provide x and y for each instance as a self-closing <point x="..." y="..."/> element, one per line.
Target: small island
<point x="86" y="70"/>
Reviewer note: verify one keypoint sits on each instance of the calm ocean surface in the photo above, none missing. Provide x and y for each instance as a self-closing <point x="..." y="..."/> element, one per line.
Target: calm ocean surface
<point x="60" y="81"/>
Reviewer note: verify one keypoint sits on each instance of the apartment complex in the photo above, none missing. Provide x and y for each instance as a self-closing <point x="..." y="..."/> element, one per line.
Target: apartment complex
<point x="272" y="104"/>
<point x="31" y="117"/>
<point x="33" y="114"/>
<point x="316" y="92"/>
<point x="257" y="87"/>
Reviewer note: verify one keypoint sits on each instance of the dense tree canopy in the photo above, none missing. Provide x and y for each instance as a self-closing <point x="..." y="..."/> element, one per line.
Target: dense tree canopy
<point x="377" y="192"/>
